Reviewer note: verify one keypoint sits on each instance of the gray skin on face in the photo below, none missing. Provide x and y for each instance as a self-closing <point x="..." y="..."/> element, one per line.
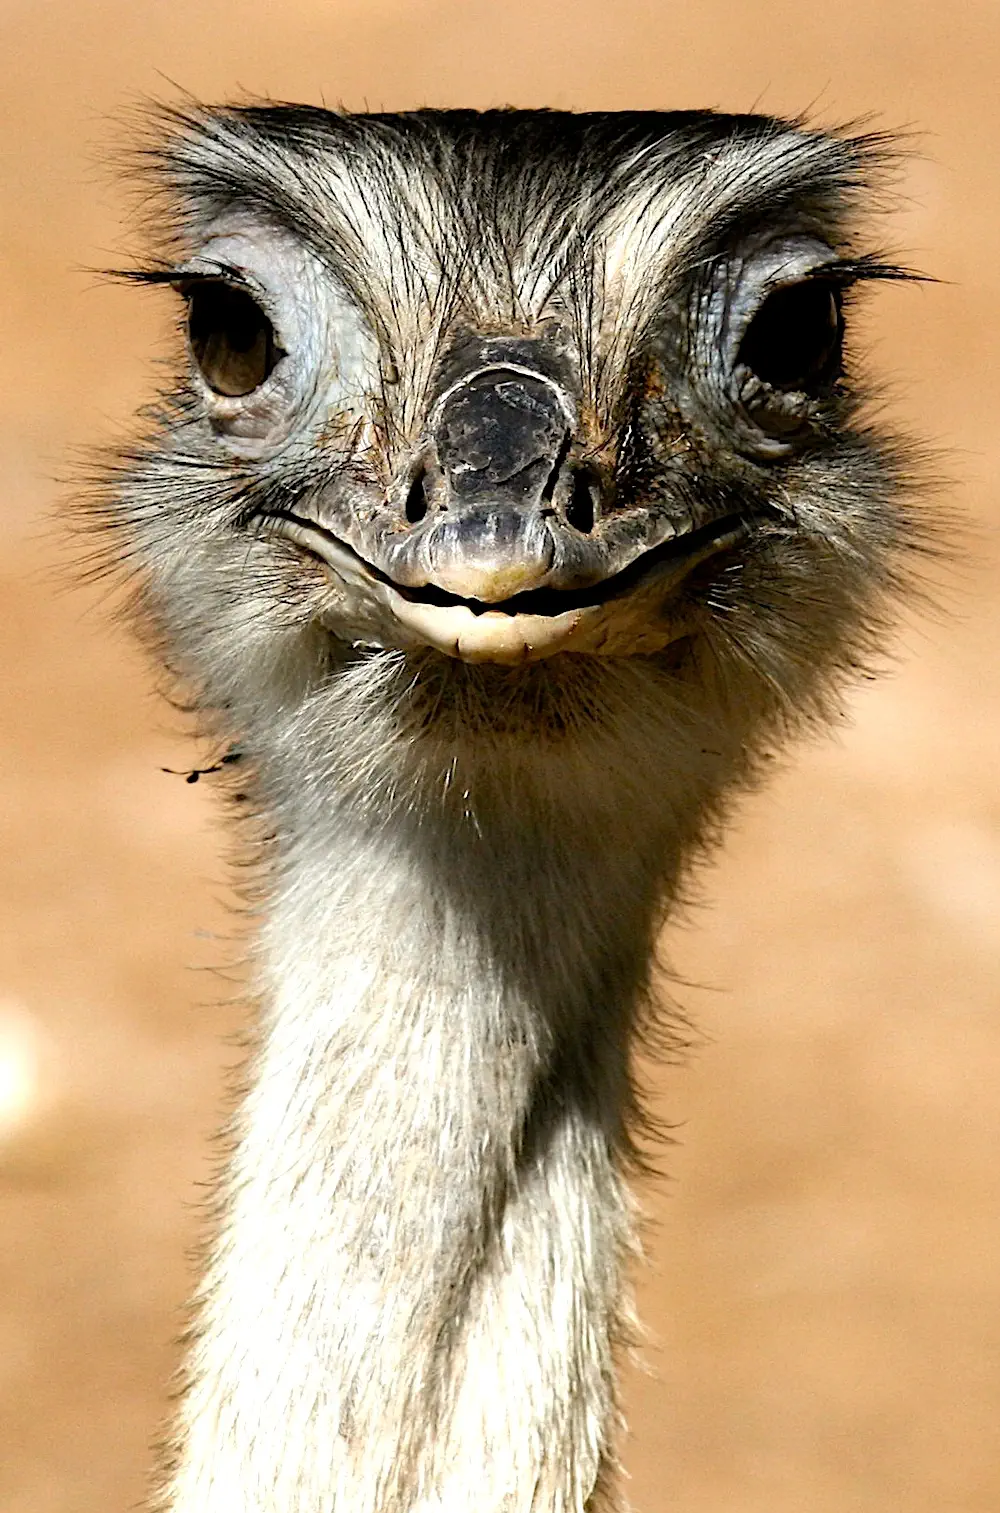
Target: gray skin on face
<point x="505" y="492"/>
<point x="510" y="442"/>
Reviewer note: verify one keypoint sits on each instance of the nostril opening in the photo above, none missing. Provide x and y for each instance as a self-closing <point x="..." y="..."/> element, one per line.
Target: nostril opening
<point x="580" y="512"/>
<point x="557" y="467"/>
<point x="416" y="500"/>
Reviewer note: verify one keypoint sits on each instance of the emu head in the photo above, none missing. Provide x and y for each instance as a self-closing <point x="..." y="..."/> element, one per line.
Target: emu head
<point x="510" y="386"/>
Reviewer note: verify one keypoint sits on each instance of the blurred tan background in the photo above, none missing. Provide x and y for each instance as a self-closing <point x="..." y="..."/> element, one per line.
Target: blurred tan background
<point x="824" y="1279"/>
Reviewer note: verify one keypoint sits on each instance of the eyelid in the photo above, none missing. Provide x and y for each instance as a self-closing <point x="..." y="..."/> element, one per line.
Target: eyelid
<point x="218" y="273"/>
<point x="221" y="273"/>
<point x="840" y="274"/>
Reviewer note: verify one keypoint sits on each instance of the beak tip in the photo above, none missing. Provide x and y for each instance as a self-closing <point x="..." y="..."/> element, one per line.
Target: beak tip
<point x="491" y="583"/>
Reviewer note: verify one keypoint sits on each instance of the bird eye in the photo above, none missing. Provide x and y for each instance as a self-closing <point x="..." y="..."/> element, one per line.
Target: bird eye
<point x="231" y="338"/>
<point x="794" y="340"/>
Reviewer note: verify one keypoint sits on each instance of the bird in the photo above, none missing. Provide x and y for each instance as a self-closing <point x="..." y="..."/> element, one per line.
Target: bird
<point x="514" y="498"/>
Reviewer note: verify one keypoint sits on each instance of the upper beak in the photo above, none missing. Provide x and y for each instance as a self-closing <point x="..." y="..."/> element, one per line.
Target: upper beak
<point x="495" y="472"/>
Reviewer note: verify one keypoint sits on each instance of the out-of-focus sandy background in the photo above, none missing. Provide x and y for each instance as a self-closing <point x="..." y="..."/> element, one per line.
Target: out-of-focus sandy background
<point x="825" y="1260"/>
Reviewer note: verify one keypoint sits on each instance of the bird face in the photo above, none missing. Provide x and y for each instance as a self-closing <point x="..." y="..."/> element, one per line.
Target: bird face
<point x="519" y="384"/>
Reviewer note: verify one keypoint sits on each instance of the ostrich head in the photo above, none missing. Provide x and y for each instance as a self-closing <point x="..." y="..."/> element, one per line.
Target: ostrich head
<point x="520" y="389"/>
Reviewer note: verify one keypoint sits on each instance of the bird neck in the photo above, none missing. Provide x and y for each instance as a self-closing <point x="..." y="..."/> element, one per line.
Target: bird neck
<point x="415" y="1293"/>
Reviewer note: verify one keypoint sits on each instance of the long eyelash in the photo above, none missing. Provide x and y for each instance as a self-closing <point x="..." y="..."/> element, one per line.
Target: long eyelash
<point x="847" y="271"/>
<point x="177" y="278"/>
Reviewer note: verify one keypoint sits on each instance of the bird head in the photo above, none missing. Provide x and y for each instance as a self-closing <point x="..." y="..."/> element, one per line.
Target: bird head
<point x="513" y="385"/>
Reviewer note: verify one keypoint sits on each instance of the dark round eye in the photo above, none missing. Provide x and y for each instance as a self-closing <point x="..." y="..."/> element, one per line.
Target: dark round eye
<point x="231" y="338"/>
<point x="794" y="340"/>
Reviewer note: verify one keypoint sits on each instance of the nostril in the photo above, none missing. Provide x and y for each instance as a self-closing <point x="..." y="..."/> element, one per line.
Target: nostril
<point x="557" y="467"/>
<point x="416" y="500"/>
<point x="580" y="511"/>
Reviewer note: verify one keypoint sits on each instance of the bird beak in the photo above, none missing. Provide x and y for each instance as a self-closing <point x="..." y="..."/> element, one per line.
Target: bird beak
<point x="482" y="554"/>
<point x="494" y="471"/>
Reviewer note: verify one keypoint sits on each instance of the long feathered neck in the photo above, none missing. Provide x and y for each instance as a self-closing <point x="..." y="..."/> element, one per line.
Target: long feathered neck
<point x="414" y="1299"/>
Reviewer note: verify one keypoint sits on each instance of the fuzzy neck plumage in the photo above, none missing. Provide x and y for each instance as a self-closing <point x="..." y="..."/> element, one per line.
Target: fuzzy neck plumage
<point x="414" y="1298"/>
